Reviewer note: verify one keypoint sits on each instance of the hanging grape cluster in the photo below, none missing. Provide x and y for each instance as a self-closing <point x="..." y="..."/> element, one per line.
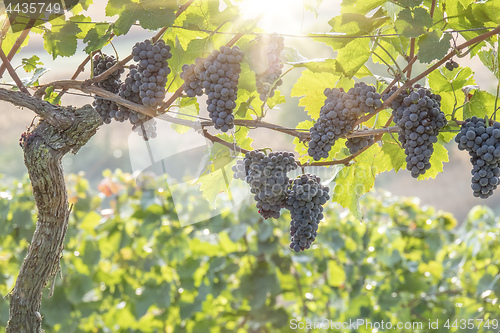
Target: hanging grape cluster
<point x="145" y="84"/>
<point x="191" y="76"/>
<point x="483" y="145"/>
<point x="338" y="116"/>
<point x="268" y="54"/>
<point x="357" y="144"/>
<point x="267" y="177"/>
<point x="143" y="125"/>
<point x="106" y="108"/>
<point x="417" y="112"/>
<point x="153" y="71"/>
<point x="218" y="75"/>
<point x="305" y="199"/>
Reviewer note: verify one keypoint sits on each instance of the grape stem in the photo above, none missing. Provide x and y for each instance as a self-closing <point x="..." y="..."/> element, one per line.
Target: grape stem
<point x="389" y="67"/>
<point x="498" y="82"/>
<point x="81" y="68"/>
<point x="13" y="73"/>
<point x="262" y="113"/>
<point x="412" y="52"/>
<point x="400" y="72"/>
<point x="17" y="44"/>
<point x="230" y="145"/>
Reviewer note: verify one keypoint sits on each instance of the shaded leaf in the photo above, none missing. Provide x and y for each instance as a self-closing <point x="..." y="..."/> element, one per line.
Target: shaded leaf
<point x="151" y="14"/>
<point x="60" y="40"/>
<point x="431" y="47"/>
<point x="413" y="23"/>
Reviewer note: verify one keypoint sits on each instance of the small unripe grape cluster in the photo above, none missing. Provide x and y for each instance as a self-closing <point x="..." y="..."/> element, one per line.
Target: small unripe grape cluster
<point x="357" y="144"/>
<point x="483" y="145"/>
<point x="338" y="116"/>
<point x="106" y="108"/>
<point x="305" y="199"/>
<point x="451" y="65"/>
<point x="417" y="112"/>
<point x="267" y="177"/>
<point x="218" y="76"/>
<point x="268" y="51"/>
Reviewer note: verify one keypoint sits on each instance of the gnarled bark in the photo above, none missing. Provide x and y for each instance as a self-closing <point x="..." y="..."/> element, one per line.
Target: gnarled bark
<point x="44" y="148"/>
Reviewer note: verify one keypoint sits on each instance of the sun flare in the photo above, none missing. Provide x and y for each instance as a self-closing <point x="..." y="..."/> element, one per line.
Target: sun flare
<point x="280" y="16"/>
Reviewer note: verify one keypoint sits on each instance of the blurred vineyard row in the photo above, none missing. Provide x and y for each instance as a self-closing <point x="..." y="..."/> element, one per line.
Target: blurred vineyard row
<point x="129" y="266"/>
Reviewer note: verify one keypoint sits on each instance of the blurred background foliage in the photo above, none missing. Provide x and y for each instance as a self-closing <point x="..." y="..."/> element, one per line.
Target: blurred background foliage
<point x="129" y="266"/>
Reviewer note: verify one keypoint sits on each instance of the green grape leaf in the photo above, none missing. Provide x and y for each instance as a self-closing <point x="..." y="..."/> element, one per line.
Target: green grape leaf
<point x="439" y="156"/>
<point x="356" y="179"/>
<point x="360" y="7"/>
<point x="356" y="24"/>
<point x="292" y="55"/>
<point x="363" y="72"/>
<point x="466" y="3"/>
<point x="151" y="14"/>
<point x="60" y="40"/>
<point x="409" y="3"/>
<point x="447" y="81"/>
<point x="214" y="183"/>
<point x="300" y="147"/>
<point x="81" y="6"/>
<point x="431" y="47"/>
<point x="350" y="24"/>
<point x="84" y="24"/>
<point x="30" y="64"/>
<point x="185" y="36"/>
<point x="311" y="86"/>
<point x="246" y="79"/>
<point x="97" y="37"/>
<point x="326" y="65"/>
<point x="394" y="152"/>
<point x="10" y="39"/>
<point x="479" y="103"/>
<point x="244" y="106"/>
<point x="413" y="23"/>
<point x="389" y="49"/>
<point x="277" y="99"/>
<point x="242" y="137"/>
<point x="220" y="156"/>
<point x="51" y="96"/>
<point x="353" y="56"/>
<point x="189" y="110"/>
<point x="313" y="6"/>
<point x="491" y="59"/>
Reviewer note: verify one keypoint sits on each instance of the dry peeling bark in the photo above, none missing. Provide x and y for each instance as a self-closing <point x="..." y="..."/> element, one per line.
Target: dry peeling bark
<point x="61" y="130"/>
